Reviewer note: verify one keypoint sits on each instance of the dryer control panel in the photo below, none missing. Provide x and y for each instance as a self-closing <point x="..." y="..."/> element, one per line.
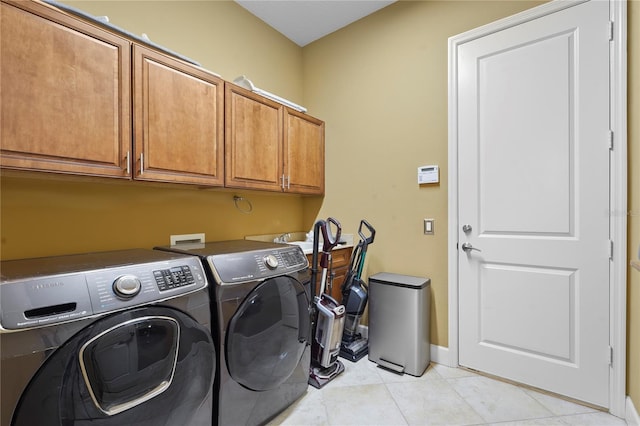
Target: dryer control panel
<point x="231" y="268"/>
<point x="45" y="291"/>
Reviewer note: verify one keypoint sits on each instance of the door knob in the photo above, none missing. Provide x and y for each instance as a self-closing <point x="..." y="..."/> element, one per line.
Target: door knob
<point x="466" y="228"/>
<point x="468" y="247"/>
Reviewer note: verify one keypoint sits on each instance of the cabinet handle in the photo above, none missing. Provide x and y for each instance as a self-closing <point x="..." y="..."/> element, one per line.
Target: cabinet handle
<point x="282" y="181"/>
<point x="128" y="164"/>
<point x="142" y="163"/>
<point x="288" y="181"/>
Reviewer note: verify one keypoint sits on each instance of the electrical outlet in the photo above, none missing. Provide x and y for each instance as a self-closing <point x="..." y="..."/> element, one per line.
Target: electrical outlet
<point x="429" y="226"/>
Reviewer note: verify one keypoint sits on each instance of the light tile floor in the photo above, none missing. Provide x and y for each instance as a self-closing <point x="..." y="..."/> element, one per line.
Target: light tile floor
<point x="365" y="394"/>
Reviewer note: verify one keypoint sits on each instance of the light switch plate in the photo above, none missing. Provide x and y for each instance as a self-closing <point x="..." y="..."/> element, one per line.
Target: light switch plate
<point x="429" y="225"/>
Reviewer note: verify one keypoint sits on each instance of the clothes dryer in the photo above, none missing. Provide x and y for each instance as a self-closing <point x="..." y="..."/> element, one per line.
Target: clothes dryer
<point x="261" y="301"/>
<point x="113" y="338"/>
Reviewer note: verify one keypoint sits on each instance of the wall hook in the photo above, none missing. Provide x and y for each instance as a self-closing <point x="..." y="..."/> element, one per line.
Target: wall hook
<point x="237" y="199"/>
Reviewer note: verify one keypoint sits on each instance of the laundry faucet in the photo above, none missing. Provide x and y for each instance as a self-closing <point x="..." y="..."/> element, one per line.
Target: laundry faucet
<point x="284" y="238"/>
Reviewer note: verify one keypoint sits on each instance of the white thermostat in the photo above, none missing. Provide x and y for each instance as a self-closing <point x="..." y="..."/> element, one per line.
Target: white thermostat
<point x="428" y="174"/>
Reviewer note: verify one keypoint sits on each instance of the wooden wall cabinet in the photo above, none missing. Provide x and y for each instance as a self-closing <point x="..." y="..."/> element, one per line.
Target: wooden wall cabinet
<point x="178" y="121"/>
<point x="67" y="90"/>
<point x="271" y="147"/>
<point x="253" y="140"/>
<point x="65" y="93"/>
<point x="303" y="164"/>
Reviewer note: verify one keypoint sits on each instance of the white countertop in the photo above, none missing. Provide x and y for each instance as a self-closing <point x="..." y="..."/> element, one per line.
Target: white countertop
<point x="338" y="247"/>
<point x="299" y="237"/>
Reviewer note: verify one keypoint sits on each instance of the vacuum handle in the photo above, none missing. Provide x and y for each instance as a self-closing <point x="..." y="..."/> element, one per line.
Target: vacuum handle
<point x="328" y="239"/>
<point x="372" y="232"/>
<point x="364" y="243"/>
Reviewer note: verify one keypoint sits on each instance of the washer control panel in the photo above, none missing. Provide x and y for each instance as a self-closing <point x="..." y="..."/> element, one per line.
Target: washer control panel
<point x="45" y="291"/>
<point x="231" y="268"/>
<point x="140" y="284"/>
<point x="179" y="276"/>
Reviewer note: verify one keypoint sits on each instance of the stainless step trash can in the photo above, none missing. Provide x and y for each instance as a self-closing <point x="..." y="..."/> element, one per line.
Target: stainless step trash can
<point x="399" y="322"/>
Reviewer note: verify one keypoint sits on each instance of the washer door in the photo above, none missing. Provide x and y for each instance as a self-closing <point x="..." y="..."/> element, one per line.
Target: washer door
<point x="147" y="366"/>
<point x="267" y="336"/>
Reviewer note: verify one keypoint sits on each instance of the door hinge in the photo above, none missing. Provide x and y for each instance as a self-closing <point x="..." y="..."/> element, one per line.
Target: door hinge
<point x="611" y="139"/>
<point x="610" y="250"/>
<point x="610" y="356"/>
<point x="610" y="30"/>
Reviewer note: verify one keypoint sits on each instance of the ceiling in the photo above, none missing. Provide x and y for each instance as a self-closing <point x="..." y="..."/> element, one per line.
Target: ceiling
<point x="304" y="21"/>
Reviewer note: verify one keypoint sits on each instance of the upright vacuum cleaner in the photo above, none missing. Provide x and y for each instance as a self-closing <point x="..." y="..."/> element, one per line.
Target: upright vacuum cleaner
<point x="328" y="313"/>
<point x="354" y="298"/>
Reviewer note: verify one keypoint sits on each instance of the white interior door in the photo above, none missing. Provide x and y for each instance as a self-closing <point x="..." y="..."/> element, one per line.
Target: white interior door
<point x="533" y="175"/>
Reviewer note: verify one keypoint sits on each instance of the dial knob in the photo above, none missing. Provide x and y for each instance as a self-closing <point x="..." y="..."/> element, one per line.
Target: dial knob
<point x="271" y="261"/>
<point x="127" y="286"/>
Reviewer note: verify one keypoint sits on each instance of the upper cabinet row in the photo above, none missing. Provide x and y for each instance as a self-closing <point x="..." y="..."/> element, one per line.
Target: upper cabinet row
<point x="79" y="99"/>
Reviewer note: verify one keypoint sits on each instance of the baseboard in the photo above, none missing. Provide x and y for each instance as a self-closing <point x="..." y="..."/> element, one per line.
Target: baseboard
<point x="440" y="355"/>
<point x="437" y="354"/>
<point x="631" y="414"/>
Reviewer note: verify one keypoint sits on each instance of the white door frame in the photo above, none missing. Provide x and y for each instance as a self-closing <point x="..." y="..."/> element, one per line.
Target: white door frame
<point x="618" y="186"/>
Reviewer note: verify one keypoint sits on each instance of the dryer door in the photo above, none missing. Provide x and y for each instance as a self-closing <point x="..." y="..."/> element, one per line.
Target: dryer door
<point x="267" y="336"/>
<point x="147" y="366"/>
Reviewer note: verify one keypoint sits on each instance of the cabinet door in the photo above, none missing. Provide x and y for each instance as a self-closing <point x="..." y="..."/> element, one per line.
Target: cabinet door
<point x="65" y="93"/>
<point x="303" y="153"/>
<point x="340" y="259"/>
<point x="340" y="267"/>
<point x="253" y="140"/>
<point x="178" y="116"/>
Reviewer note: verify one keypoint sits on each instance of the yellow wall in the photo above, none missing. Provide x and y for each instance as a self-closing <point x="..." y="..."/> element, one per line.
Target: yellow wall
<point x="51" y="217"/>
<point x="633" y="112"/>
<point x="381" y="86"/>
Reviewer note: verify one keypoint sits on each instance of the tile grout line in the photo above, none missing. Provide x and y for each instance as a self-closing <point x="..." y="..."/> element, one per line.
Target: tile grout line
<point x="406" y="421"/>
<point x="486" y="422"/>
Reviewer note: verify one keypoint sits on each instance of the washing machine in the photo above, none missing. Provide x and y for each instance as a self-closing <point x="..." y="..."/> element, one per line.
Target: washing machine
<point x="261" y="301"/>
<point x="112" y="338"/>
